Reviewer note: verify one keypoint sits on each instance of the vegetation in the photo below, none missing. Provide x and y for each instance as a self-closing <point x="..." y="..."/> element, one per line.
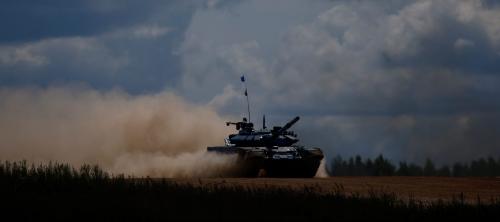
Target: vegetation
<point x="380" y="166"/>
<point x="60" y="192"/>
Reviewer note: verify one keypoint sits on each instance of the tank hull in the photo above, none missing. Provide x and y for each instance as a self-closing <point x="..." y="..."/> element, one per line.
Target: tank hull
<point x="305" y="168"/>
<point x="273" y="162"/>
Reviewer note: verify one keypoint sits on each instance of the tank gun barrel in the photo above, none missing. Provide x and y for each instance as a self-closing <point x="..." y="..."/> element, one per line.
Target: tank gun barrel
<point x="288" y="125"/>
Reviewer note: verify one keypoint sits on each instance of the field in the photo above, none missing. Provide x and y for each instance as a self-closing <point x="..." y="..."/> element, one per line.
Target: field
<point x="61" y="192"/>
<point x="419" y="188"/>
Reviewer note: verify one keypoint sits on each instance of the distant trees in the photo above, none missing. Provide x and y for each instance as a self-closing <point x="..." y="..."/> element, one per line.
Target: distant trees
<point x="380" y="166"/>
<point x="358" y="167"/>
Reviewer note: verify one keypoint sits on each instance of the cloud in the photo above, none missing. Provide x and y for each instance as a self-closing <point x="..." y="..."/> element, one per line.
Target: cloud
<point x="444" y="138"/>
<point x="24" y="56"/>
<point x="62" y="60"/>
<point x="143" y="31"/>
<point x="30" y="20"/>
<point x="104" y="44"/>
<point x="150" y="31"/>
<point x="399" y="77"/>
<point x="424" y="34"/>
<point x="360" y="57"/>
<point x="374" y="66"/>
<point x="462" y="44"/>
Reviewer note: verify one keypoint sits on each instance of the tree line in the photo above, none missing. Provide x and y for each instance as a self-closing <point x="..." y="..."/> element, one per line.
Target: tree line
<point x="381" y="166"/>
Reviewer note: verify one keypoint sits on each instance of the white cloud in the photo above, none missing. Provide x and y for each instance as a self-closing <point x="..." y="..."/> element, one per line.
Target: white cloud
<point x="153" y="31"/>
<point x="85" y="54"/>
<point x="221" y="100"/>
<point x="463" y="43"/>
<point x="365" y="60"/>
<point x="362" y="59"/>
<point x="144" y="31"/>
<point x="23" y="55"/>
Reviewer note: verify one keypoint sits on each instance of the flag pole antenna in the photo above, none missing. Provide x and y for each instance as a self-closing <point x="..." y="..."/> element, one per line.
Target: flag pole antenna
<point x="246" y="95"/>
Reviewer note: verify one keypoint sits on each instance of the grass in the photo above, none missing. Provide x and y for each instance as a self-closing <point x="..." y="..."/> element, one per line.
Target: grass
<point x="60" y="192"/>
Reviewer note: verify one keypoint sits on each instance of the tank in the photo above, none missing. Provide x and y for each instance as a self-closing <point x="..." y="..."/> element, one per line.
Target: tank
<point x="269" y="152"/>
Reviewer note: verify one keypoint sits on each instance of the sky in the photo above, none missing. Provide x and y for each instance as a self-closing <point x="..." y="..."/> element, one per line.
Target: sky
<point x="407" y="79"/>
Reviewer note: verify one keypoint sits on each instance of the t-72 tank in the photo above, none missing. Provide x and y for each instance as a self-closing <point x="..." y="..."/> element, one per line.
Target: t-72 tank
<point x="269" y="153"/>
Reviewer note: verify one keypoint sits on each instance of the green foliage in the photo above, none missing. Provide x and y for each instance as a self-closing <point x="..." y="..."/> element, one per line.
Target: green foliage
<point x="381" y="166"/>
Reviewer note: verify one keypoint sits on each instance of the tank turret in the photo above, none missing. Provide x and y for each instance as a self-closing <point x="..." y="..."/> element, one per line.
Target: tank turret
<point x="248" y="136"/>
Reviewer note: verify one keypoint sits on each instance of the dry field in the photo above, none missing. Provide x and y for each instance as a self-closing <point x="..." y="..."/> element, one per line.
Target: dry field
<point x="419" y="188"/>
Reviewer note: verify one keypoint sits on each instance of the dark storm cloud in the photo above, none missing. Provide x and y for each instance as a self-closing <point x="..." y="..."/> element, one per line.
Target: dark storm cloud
<point x="341" y="59"/>
<point x="29" y="20"/>
<point x="393" y="77"/>
<point x="104" y="44"/>
<point x="445" y="138"/>
<point x="410" y="79"/>
<point x="451" y="42"/>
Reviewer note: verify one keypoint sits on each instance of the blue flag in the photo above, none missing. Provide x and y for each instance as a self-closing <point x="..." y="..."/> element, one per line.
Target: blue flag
<point x="243" y="78"/>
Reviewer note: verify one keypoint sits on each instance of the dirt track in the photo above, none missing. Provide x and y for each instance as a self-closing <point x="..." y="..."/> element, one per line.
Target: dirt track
<point x="421" y="188"/>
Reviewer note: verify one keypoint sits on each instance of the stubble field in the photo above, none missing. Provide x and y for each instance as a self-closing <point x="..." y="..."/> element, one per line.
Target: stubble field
<point x="61" y="192"/>
<point x="418" y="188"/>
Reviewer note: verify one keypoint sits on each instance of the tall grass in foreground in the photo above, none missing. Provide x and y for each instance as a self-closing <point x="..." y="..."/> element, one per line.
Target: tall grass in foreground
<point x="59" y="191"/>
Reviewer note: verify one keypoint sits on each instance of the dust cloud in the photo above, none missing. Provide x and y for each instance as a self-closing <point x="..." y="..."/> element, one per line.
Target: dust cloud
<point x="321" y="173"/>
<point x="146" y="135"/>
